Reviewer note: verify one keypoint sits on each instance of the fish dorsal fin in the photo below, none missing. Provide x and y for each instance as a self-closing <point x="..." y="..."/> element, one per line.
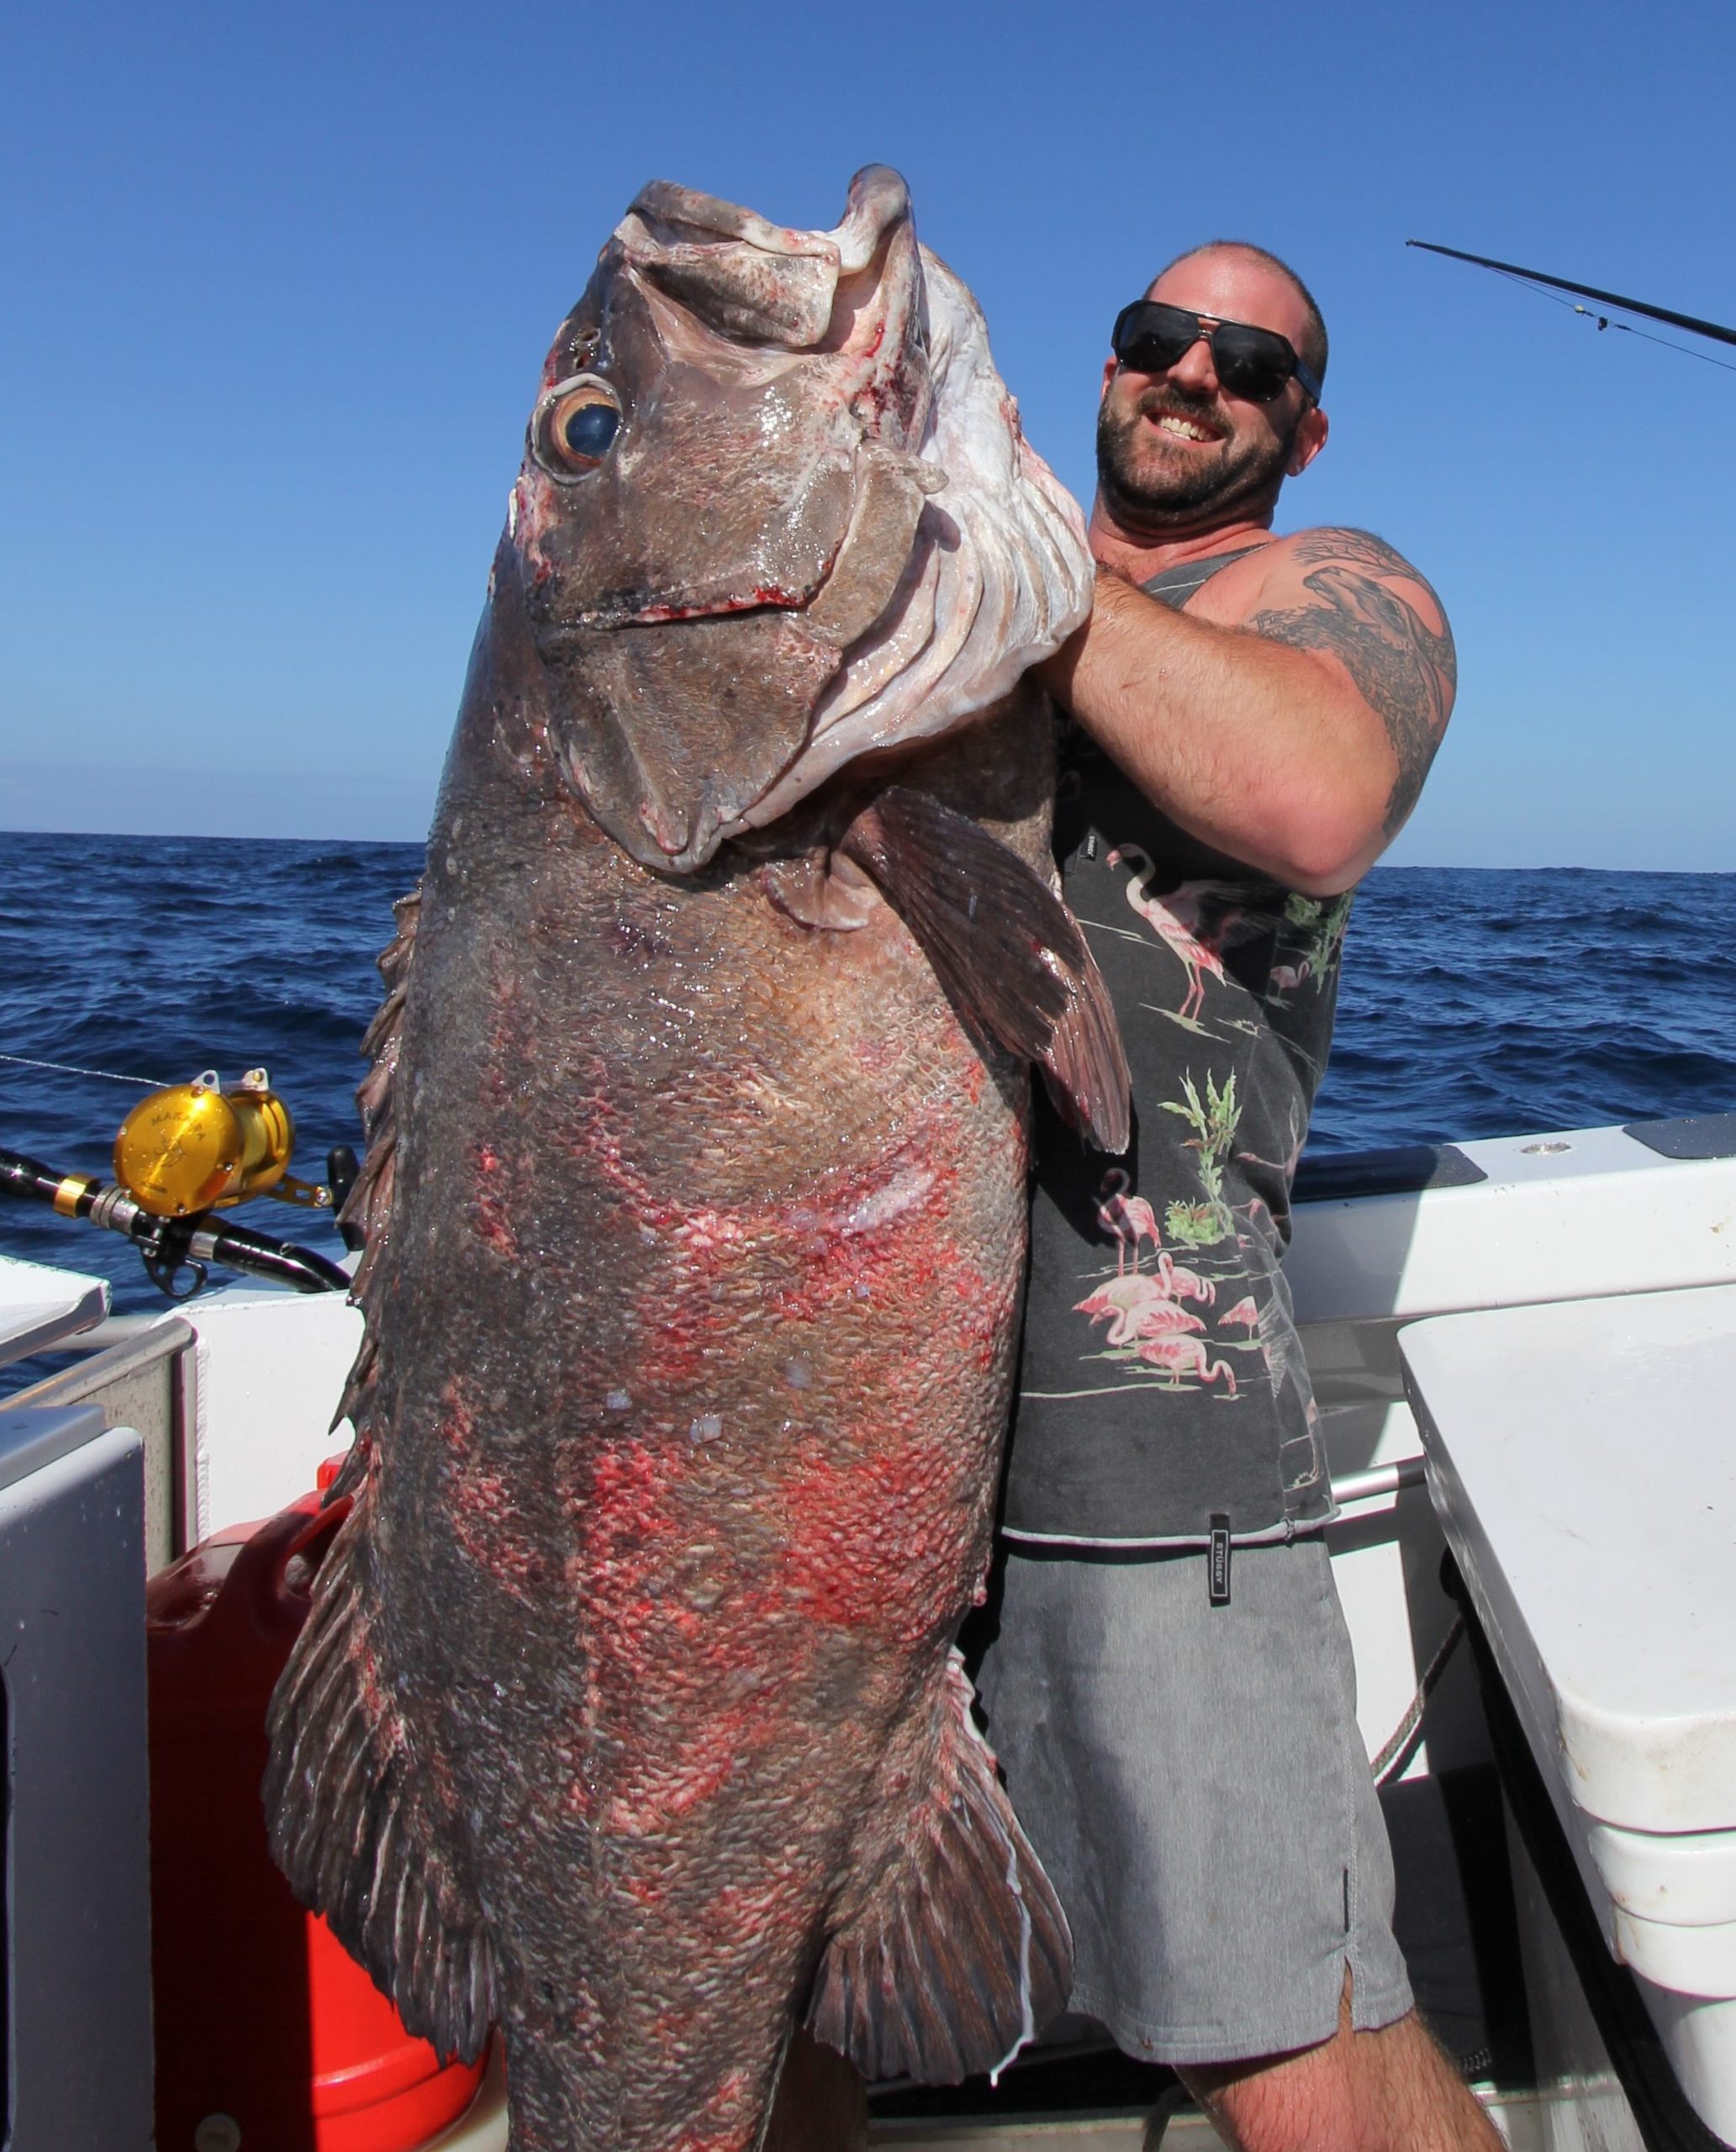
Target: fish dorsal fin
<point x="954" y="1950"/>
<point x="343" y="1827"/>
<point x="347" y="1829"/>
<point x="368" y="1206"/>
<point x="1004" y="946"/>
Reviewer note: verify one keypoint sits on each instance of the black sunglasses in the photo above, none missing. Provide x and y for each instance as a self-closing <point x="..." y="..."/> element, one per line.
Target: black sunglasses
<point x="1255" y="364"/>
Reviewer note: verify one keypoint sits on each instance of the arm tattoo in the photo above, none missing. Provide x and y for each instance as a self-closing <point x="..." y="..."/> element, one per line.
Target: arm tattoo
<point x="1403" y="670"/>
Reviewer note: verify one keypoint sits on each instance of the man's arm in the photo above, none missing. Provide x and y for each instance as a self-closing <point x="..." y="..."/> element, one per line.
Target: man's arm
<point x="1296" y="738"/>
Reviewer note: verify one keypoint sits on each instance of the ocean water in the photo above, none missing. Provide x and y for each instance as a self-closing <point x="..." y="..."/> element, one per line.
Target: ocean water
<point x="1473" y="1003"/>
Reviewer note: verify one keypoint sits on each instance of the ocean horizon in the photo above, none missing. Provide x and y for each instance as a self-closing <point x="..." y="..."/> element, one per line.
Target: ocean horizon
<point x="1475" y="1001"/>
<point x="71" y="799"/>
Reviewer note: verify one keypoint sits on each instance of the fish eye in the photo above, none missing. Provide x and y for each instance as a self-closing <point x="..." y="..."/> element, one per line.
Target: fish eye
<point x="576" y="427"/>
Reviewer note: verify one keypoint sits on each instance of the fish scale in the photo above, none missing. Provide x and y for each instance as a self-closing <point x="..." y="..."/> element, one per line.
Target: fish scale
<point x="627" y="1714"/>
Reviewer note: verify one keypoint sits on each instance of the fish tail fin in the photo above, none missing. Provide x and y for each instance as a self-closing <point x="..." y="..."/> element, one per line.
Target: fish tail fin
<point x="958" y="1952"/>
<point x="347" y="1833"/>
<point x="1005" y="946"/>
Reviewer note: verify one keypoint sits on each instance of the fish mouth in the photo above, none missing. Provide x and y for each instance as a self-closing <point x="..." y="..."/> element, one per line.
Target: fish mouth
<point x="767" y="598"/>
<point x="610" y="615"/>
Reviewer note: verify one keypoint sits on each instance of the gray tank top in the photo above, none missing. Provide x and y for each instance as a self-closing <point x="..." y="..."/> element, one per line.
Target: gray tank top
<point x="1162" y="1385"/>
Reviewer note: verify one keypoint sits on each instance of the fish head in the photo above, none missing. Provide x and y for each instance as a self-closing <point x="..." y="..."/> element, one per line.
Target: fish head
<point x="720" y="494"/>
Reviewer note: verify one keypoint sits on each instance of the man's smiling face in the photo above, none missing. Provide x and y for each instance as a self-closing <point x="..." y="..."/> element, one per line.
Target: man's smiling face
<point x="1174" y="444"/>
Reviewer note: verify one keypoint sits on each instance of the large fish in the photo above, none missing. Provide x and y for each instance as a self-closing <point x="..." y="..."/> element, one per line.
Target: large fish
<point x="626" y="1713"/>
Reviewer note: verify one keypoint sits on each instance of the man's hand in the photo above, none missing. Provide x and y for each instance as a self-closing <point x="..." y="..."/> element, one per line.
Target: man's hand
<point x="1291" y="719"/>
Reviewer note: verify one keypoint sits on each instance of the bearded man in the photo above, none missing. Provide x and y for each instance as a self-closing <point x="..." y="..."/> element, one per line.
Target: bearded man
<point x="1171" y="1691"/>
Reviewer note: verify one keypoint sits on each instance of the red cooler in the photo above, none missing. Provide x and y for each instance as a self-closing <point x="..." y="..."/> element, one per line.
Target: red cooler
<point x="270" y="2038"/>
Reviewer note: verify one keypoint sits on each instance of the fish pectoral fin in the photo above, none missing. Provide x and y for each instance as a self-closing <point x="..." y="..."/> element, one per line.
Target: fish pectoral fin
<point x="347" y="1830"/>
<point x="1005" y="946"/>
<point x="821" y="889"/>
<point x="958" y="1952"/>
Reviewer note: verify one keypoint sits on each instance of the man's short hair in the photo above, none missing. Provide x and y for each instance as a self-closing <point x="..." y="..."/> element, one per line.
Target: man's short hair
<point x="1313" y="353"/>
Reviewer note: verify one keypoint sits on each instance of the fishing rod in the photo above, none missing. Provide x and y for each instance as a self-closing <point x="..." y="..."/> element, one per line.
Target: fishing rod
<point x="1689" y="321"/>
<point x="1713" y="330"/>
<point x="184" y="1153"/>
<point x="169" y="1246"/>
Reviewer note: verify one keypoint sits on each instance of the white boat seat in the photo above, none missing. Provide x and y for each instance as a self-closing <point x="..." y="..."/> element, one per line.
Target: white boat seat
<point x="1582" y="1458"/>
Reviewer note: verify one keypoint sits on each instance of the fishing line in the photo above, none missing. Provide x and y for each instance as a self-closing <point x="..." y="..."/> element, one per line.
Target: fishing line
<point x="1646" y="337"/>
<point x="1604" y="321"/>
<point x="66" y="1069"/>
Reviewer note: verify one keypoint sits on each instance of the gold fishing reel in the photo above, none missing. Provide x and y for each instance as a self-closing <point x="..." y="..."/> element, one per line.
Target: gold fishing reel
<point x="196" y="1146"/>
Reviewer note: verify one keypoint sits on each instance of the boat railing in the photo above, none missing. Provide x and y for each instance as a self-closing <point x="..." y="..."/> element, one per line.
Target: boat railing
<point x="140" y="1371"/>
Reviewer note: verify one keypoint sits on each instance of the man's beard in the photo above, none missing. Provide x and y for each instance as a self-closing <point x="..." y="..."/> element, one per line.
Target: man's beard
<point x="1156" y="497"/>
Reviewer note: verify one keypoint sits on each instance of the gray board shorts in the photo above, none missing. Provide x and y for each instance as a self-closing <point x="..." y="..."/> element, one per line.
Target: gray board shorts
<point x="1194" y="1780"/>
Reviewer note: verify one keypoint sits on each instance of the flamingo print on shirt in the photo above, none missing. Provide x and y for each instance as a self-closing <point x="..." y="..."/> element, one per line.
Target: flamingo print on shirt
<point x="1129" y="1217"/>
<point x="1177" y="920"/>
<point x="1162" y="1379"/>
<point x="1149" y="1328"/>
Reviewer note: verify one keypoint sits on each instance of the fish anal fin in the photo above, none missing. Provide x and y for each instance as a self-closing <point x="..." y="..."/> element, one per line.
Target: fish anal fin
<point x="953" y="1950"/>
<point x="1005" y="946"/>
<point x="346" y="1827"/>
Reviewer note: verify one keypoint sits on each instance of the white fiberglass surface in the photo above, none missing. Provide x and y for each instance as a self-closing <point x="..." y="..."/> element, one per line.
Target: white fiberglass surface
<point x="271" y="1371"/>
<point x="1698" y="1960"/>
<point x="1688" y="1877"/>
<point x="1593" y="1213"/>
<point x="1585" y="1453"/>
<point x="39" y="1307"/>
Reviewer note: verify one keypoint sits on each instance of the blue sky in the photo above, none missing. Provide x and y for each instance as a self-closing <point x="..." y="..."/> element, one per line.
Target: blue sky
<point x="276" y="284"/>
